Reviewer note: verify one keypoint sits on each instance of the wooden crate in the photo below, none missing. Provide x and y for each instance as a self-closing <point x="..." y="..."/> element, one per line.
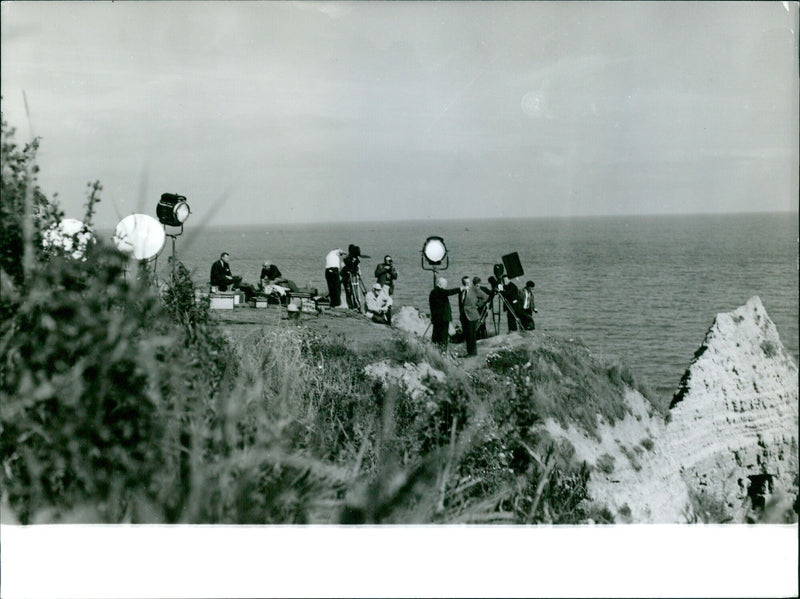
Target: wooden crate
<point x="308" y="305"/>
<point x="222" y="300"/>
<point x="259" y="302"/>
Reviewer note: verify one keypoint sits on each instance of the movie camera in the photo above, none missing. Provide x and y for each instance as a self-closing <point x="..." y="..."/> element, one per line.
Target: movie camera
<point x="511" y="266"/>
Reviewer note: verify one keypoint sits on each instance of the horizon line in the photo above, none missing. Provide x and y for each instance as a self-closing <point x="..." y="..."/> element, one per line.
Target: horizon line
<point x="499" y="218"/>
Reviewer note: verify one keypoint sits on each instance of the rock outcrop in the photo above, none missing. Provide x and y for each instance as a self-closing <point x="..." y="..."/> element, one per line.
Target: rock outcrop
<point x="411" y="320"/>
<point x="411" y="378"/>
<point x="730" y="440"/>
<point x="734" y="420"/>
<point x="634" y="475"/>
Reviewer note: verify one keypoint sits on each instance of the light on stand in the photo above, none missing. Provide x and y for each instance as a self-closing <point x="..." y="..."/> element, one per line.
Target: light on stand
<point x="434" y="252"/>
<point x="172" y="211"/>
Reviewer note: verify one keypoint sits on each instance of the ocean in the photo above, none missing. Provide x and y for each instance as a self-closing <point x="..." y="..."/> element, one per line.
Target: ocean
<point x="643" y="289"/>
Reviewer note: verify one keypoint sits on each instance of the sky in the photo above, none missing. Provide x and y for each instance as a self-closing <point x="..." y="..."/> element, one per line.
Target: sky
<point x="277" y="112"/>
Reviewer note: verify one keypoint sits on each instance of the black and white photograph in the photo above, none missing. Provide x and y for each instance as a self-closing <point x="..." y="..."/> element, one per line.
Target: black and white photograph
<point x="399" y="298"/>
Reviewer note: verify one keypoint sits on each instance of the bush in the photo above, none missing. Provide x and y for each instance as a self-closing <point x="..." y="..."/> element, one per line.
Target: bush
<point x="560" y="380"/>
<point x="605" y="463"/>
<point x="708" y="509"/>
<point x="92" y="376"/>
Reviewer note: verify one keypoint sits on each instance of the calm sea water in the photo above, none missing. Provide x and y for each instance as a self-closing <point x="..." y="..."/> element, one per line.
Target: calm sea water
<point x="643" y="289"/>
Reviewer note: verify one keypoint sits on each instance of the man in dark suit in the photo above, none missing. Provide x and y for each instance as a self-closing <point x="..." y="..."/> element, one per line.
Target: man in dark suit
<point x="386" y="274"/>
<point x="510" y="293"/>
<point x="528" y="307"/>
<point x="470" y="300"/>
<point x="221" y="276"/>
<point x="441" y="314"/>
<point x="271" y="275"/>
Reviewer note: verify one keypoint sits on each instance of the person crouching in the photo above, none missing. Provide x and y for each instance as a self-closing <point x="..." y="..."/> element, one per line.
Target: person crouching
<point x="379" y="305"/>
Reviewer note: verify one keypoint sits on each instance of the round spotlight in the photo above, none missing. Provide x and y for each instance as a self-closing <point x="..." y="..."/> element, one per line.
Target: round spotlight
<point x="172" y="210"/>
<point x="434" y="250"/>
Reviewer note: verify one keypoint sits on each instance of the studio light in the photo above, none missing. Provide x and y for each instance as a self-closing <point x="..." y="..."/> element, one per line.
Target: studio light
<point x="434" y="256"/>
<point x="172" y="210"/>
<point x="434" y="251"/>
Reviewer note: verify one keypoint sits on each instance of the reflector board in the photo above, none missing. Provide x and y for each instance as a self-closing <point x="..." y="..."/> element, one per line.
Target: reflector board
<point x="140" y="236"/>
<point x="513" y="265"/>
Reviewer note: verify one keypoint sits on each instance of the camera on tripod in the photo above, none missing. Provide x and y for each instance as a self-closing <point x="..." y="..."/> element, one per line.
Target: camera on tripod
<point x="512" y="268"/>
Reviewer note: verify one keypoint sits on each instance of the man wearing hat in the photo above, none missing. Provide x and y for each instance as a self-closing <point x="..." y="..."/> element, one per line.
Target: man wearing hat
<point x="379" y="305"/>
<point x="441" y="314"/>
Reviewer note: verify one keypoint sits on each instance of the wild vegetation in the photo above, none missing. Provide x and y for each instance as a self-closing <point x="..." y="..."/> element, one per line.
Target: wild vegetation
<point x="123" y="403"/>
<point x="120" y="403"/>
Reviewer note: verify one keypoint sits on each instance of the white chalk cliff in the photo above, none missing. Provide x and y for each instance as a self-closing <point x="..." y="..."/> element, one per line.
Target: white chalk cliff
<point x="734" y="420"/>
<point x="731" y="436"/>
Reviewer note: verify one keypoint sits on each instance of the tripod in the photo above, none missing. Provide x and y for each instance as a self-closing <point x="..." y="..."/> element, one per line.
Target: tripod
<point x="355" y="291"/>
<point x="497" y="313"/>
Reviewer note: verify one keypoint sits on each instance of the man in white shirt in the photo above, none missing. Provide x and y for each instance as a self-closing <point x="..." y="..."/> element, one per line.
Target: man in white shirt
<point x="379" y="305"/>
<point x="333" y="266"/>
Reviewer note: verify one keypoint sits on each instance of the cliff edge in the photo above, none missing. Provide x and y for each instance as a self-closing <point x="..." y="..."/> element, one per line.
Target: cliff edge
<point x="733" y="425"/>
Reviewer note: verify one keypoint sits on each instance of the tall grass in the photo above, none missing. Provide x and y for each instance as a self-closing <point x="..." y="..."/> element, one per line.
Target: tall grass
<point x="562" y="380"/>
<point x="119" y="403"/>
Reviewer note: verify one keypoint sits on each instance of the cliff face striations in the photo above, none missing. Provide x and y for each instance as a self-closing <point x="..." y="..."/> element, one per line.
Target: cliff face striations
<point x="729" y="444"/>
<point x="734" y="419"/>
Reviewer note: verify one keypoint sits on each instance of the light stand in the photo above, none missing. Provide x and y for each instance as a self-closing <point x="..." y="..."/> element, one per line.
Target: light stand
<point x="173" y="236"/>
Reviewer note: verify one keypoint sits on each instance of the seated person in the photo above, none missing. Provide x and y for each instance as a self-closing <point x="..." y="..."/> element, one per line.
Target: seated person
<point x="221" y="276"/>
<point x="271" y="275"/>
<point x="379" y="305"/>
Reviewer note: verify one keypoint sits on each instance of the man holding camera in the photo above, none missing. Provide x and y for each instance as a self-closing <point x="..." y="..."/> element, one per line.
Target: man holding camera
<point x="386" y="274"/>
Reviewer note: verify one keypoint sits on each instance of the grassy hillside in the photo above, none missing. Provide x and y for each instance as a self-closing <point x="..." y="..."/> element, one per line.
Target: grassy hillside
<point x="120" y="403"/>
<point x="121" y="406"/>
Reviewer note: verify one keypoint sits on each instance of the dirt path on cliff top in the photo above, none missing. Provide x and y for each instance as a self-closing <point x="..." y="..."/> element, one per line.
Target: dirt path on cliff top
<point x="354" y="330"/>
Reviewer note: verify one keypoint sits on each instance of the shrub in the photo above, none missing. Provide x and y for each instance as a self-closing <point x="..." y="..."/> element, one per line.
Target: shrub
<point x="605" y="463"/>
<point x="561" y="380"/>
<point x="770" y="348"/>
<point x="83" y="387"/>
<point x="708" y="509"/>
<point x="625" y="512"/>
